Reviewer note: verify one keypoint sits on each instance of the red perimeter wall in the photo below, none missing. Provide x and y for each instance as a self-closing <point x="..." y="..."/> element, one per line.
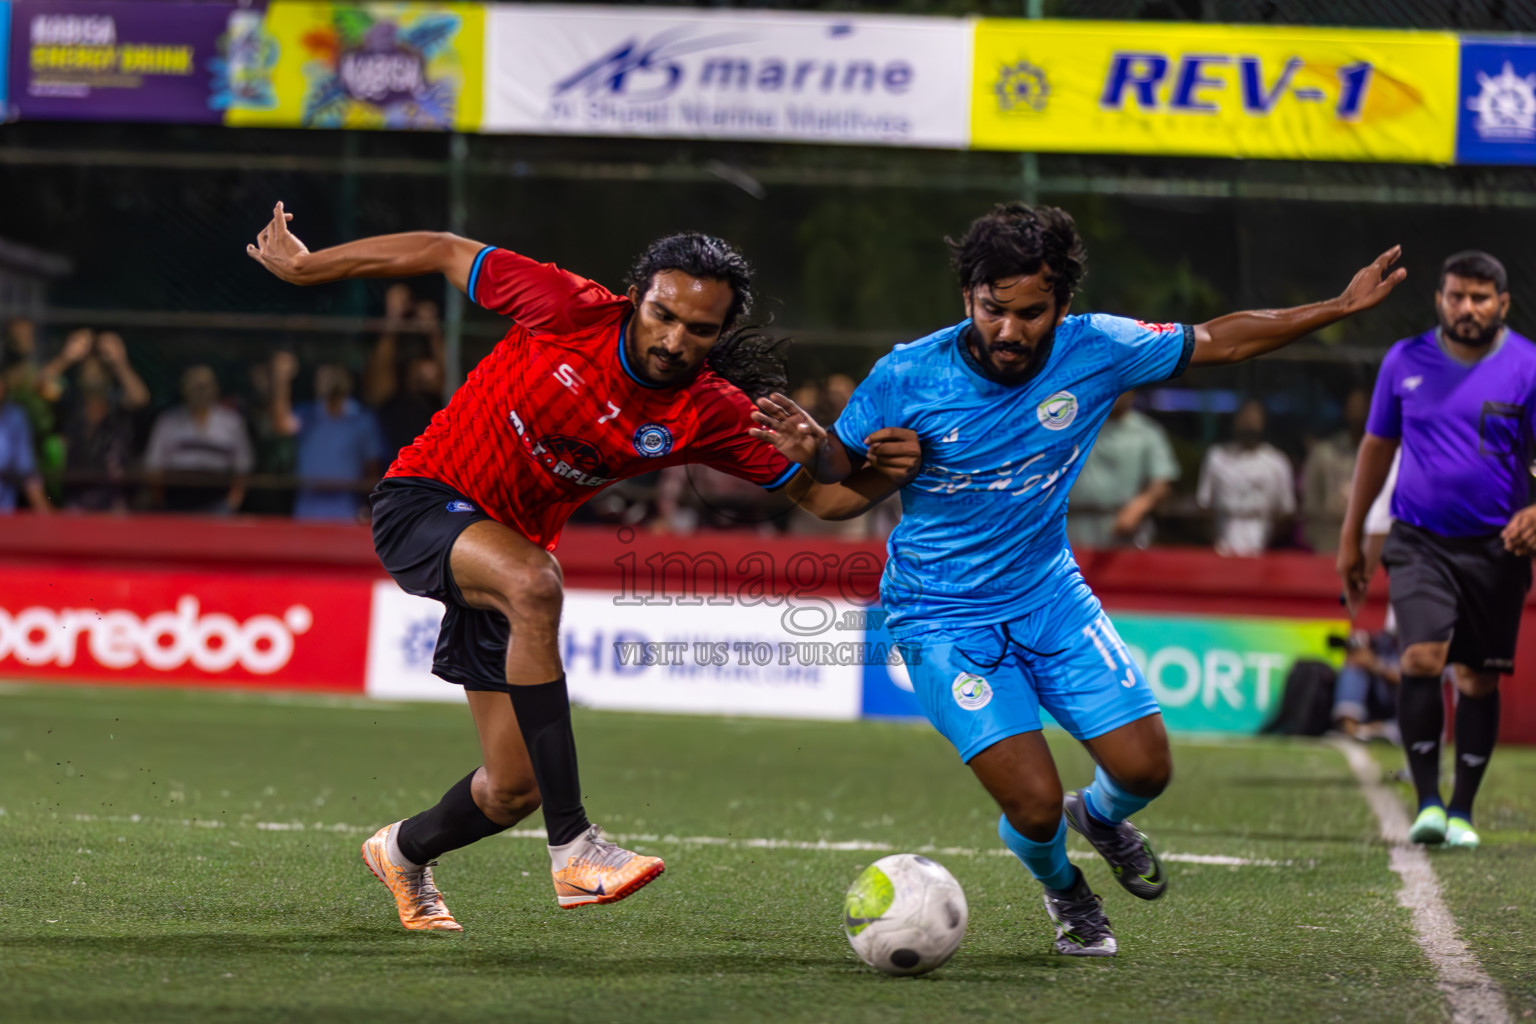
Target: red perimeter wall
<point x="1178" y="580"/>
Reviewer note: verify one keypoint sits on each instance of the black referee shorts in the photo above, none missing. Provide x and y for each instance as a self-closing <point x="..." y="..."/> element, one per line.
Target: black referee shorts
<point x="415" y="522"/>
<point x="1467" y="590"/>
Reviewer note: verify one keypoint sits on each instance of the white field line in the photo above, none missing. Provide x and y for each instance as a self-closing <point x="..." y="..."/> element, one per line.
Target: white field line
<point x="821" y="845"/>
<point x="1474" y="997"/>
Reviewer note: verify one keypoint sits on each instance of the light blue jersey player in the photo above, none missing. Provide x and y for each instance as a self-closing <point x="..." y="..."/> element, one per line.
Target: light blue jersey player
<point x="994" y="618"/>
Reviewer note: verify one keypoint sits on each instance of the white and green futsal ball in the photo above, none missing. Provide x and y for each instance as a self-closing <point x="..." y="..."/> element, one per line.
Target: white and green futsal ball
<point x="905" y="915"/>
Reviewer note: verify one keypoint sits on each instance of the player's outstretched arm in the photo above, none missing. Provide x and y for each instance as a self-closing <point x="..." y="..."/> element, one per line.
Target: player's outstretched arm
<point x="1371" y="468"/>
<point x="409" y="254"/>
<point x="893" y="456"/>
<point x="797" y="435"/>
<point x="1239" y="336"/>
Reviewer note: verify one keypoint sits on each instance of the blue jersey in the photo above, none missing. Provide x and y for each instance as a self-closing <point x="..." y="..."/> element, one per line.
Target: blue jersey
<point x="983" y="533"/>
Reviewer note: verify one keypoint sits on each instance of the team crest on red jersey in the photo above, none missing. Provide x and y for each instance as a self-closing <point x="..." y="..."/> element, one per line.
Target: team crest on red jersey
<point x="653" y="440"/>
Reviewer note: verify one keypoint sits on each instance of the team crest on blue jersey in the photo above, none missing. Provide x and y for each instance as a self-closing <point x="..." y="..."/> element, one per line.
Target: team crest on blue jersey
<point x="460" y="506"/>
<point x="971" y="691"/>
<point x="653" y="440"/>
<point x="1058" y="411"/>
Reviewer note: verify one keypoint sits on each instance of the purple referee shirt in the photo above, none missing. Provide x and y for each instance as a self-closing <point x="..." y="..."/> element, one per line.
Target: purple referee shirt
<point x="1466" y="432"/>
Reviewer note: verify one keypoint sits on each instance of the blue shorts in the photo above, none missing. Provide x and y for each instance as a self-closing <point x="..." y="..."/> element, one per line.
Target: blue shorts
<point x="982" y="684"/>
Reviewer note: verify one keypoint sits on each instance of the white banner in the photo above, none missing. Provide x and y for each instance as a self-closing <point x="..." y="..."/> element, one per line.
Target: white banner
<point x="738" y="75"/>
<point x="705" y="659"/>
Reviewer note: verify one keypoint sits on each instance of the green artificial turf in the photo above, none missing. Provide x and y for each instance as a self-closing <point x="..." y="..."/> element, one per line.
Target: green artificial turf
<point x="1492" y="891"/>
<point x="176" y="856"/>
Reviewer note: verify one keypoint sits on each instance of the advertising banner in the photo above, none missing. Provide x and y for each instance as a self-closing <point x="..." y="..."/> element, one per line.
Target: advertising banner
<point x="1497" y="111"/>
<point x="102" y="60"/>
<point x="736" y="75"/>
<point x="368" y="65"/>
<point x="5" y="55"/>
<point x="183" y="628"/>
<point x="1210" y="674"/>
<point x="726" y="659"/>
<point x="1212" y="90"/>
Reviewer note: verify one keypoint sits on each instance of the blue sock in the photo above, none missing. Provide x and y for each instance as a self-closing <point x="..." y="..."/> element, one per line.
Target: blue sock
<point x="1107" y="803"/>
<point x="1046" y="861"/>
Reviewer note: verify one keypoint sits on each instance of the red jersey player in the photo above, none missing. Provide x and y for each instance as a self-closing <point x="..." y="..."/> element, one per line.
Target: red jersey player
<point x="587" y="387"/>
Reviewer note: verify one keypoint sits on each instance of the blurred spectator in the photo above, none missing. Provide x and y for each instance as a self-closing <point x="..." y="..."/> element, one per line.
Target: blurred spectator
<point x="18" y="459"/>
<point x="695" y="496"/>
<point x="273" y="451"/>
<point x="199" y="452"/>
<point x="1365" y="695"/>
<point x="1247" y="483"/>
<point x="838" y="390"/>
<point x="96" y="416"/>
<point x="1130" y="470"/>
<point x="1327" y="474"/>
<point x="405" y="374"/>
<point x="340" y="447"/>
<point x="32" y="387"/>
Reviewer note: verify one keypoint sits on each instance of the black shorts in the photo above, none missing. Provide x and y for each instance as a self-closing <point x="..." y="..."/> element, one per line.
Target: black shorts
<point x="1467" y="590"/>
<point x="415" y="522"/>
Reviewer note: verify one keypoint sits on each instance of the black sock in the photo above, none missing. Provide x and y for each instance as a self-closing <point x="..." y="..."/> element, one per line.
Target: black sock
<point x="455" y="822"/>
<point x="1421" y="717"/>
<point x="1477" y="730"/>
<point x="544" y="717"/>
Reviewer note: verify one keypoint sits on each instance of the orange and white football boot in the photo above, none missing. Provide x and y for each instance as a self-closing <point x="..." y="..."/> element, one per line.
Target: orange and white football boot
<point x="590" y="869"/>
<point x="416" y="898"/>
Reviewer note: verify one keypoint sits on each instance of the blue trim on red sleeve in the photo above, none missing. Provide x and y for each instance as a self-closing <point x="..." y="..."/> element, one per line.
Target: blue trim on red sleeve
<point x="784" y="478"/>
<point x="1184" y="356"/>
<point x="474" y="273"/>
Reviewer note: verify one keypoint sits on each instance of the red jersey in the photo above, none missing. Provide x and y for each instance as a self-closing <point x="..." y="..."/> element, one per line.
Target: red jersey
<point x="555" y="413"/>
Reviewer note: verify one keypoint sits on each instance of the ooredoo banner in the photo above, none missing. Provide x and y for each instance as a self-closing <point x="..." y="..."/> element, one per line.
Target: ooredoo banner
<point x="739" y="75"/>
<point x="105" y="60"/>
<point x="1215" y="90"/>
<point x="183" y="628"/>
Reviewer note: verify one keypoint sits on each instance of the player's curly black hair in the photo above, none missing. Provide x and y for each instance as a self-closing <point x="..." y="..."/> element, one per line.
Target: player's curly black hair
<point x="745" y="356"/>
<point x="698" y="255"/>
<point x="752" y="360"/>
<point x="1015" y="239"/>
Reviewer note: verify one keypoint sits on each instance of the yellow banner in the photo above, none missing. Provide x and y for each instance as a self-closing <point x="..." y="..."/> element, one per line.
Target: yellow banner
<point x="364" y="65"/>
<point x="1213" y="90"/>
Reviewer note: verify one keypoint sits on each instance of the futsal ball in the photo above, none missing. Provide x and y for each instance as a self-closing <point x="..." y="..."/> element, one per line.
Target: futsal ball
<point x="905" y="915"/>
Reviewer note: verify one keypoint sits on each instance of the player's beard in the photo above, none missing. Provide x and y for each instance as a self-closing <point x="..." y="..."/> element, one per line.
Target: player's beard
<point x="1022" y="373"/>
<point x="1480" y="335"/>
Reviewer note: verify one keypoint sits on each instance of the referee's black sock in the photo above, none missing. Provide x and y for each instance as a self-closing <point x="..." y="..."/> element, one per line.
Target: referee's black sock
<point x="544" y="717"/>
<point x="1477" y="730"/>
<point x="1421" y="717"/>
<point x="455" y="822"/>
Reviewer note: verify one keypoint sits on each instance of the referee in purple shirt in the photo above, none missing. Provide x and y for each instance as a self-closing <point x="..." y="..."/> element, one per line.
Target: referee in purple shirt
<point x="1461" y="401"/>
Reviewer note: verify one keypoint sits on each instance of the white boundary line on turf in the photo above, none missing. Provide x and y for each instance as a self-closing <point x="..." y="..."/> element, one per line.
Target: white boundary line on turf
<point x="823" y="845"/>
<point x="1474" y="997"/>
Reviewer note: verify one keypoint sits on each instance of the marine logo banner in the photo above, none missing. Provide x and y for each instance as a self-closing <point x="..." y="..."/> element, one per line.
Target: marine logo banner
<point x="740" y="75"/>
<point x="1497" y="115"/>
<point x="1211" y="90"/>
